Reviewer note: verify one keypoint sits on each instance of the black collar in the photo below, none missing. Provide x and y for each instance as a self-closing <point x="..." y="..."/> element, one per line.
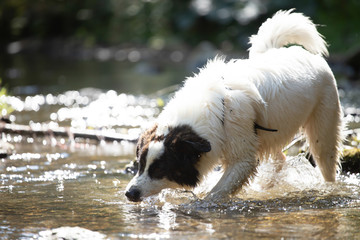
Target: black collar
<point x="256" y="126"/>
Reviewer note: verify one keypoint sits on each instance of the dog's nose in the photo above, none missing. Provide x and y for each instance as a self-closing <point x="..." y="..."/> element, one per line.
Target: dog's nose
<point x="133" y="195"/>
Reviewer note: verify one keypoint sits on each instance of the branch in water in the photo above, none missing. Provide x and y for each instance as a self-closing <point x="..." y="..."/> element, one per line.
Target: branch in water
<point x="64" y="132"/>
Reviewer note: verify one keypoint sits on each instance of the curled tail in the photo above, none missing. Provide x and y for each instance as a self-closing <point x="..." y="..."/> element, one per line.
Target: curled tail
<point x="285" y="28"/>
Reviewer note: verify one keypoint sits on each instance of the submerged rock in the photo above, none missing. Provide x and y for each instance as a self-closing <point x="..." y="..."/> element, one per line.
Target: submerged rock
<point x="70" y="233"/>
<point x="6" y="149"/>
<point x="132" y="167"/>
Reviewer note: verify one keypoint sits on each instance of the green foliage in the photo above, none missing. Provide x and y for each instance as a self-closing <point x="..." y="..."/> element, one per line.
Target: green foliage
<point x="340" y="21"/>
<point x="157" y="23"/>
<point x="5" y="109"/>
<point x="351" y="160"/>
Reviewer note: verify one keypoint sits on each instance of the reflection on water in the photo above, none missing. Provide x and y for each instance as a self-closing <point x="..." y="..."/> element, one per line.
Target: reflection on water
<point x="34" y="73"/>
<point x="53" y="182"/>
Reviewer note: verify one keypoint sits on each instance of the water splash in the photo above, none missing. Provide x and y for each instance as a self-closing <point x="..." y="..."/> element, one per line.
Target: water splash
<point x="297" y="186"/>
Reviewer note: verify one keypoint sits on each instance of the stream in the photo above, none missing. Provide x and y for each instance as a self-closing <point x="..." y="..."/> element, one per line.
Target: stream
<point x="58" y="186"/>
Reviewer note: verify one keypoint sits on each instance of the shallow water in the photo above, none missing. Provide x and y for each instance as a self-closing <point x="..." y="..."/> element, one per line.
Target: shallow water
<point x="52" y="182"/>
<point x="85" y="189"/>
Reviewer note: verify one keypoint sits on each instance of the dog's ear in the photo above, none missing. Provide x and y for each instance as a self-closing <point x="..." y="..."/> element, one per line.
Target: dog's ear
<point x="188" y="155"/>
<point x="183" y="139"/>
<point x="199" y="145"/>
<point x="192" y="149"/>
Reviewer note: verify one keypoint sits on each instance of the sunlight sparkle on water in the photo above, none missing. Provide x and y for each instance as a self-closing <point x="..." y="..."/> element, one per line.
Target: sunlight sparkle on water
<point x="49" y="182"/>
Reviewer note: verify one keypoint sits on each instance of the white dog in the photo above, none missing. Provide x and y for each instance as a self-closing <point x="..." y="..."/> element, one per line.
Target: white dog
<point x="240" y="111"/>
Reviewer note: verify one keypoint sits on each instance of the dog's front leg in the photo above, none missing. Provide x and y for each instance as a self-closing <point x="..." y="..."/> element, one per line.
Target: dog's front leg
<point x="234" y="177"/>
<point x="241" y="110"/>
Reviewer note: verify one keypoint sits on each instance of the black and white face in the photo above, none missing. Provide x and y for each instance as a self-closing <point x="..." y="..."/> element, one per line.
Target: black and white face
<point x="166" y="161"/>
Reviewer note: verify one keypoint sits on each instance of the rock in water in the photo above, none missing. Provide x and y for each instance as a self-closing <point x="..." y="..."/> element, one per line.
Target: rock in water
<point x="70" y="233"/>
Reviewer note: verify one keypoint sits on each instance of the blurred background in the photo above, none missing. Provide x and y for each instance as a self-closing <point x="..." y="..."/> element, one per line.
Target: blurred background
<point x="81" y="79"/>
<point x="141" y="46"/>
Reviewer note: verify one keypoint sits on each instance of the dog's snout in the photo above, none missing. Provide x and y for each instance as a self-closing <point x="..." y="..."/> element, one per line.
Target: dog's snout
<point x="133" y="195"/>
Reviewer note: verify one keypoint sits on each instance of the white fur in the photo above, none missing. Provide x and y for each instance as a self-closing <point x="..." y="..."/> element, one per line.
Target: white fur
<point x="275" y="33"/>
<point x="199" y="104"/>
<point x="155" y="149"/>
<point x="279" y="88"/>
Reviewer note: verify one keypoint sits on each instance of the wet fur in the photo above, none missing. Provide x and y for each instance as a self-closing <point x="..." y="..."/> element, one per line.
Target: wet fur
<point x="215" y="117"/>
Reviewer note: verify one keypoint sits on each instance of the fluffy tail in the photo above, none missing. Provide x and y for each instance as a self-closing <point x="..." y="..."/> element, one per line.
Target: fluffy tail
<point x="285" y="28"/>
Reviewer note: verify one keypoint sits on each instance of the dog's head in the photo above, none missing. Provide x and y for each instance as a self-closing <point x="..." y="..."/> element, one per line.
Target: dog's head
<point x="166" y="160"/>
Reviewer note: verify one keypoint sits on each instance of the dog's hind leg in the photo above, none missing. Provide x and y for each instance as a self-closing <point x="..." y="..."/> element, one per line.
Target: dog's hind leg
<point x="323" y="133"/>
